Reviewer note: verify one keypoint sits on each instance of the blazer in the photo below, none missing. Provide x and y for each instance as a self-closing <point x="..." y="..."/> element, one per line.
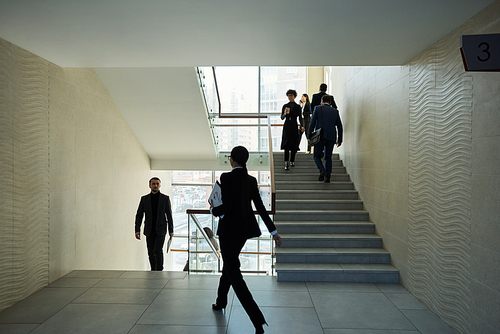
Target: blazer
<point x="330" y="125"/>
<point x="239" y="220"/>
<point x="316" y="100"/>
<point x="163" y="217"/>
<point x="306" y="112"/>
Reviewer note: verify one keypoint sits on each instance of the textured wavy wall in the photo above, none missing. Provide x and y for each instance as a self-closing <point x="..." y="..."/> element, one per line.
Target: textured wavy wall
<point x="24" y="173"/>
<point x="440" y="182"/>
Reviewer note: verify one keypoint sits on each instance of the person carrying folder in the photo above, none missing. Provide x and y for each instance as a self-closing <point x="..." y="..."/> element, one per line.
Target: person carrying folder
<point x="237" y="225"/>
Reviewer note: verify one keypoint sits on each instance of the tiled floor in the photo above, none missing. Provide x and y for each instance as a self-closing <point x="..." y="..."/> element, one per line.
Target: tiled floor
<point x="172" y="302"/>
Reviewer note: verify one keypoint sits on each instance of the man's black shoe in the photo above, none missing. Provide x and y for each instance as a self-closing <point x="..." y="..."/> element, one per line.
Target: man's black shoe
<point x="322" y="175"/>
<point x="327" y="180"/>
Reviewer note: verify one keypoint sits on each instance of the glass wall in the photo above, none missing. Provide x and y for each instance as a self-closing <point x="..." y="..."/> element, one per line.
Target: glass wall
<point x="252" y="90"/>
<point x="238" y="88"/>
<point x="191" y="190"/>
<point x="244" y="91"/>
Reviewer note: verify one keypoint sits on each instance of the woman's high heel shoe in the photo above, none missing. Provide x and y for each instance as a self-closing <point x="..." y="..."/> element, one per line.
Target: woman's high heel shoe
<point x="260" y="330"/>
<point x="216" y="307"/>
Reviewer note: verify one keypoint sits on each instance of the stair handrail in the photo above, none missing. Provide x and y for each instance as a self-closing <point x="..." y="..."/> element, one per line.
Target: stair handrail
<point x="205" y="236"/>
<point x="271" y="166"/>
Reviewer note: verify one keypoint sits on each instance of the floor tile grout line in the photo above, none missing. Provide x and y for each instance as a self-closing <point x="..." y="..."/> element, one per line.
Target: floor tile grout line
<point x="314" y="306"/>
<point x="63" y="307"/>
<point x="399" y="310"/>
<point x="147" y="308"/>
<point x="230" y="312"/>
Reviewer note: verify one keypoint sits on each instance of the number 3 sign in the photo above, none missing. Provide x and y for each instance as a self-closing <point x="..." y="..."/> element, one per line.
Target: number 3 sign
<point x="481" y="52"/>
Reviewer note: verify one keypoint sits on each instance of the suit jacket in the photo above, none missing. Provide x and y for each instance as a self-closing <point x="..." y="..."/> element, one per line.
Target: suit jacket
<point x="306" y="112"/>
<point x="316" y="101"/>
<point x="163" y="217"/>
<point x="239" y="220"/>
<point x="331" y="123"/>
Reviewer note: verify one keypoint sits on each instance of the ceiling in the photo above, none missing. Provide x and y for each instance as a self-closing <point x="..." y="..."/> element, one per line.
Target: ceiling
<point x="145" y="51"/>
<point x="165" y="109"/>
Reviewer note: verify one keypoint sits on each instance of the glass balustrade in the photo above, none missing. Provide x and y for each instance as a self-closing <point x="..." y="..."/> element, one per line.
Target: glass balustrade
<point x="204" y="252"/>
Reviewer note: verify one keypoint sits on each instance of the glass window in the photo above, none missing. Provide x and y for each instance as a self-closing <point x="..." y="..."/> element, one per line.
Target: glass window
<point x="189" y="197"/>
<point x="265" y="178"/>
<point x="265" y="245"/>
<point x="248" y="262"/>
<point x="192" y="177"/>
<point x="239" y="93"/>
<point x="231" y="136"/>
<point x="265" y="263"/>
<point x="179" y="258"/>
<point x="238" y="88"/>
<point x="247" y="89"/>
<point x="250" y="246"/>
<point x="265" y="194"/>
<point x="292" y="70"/>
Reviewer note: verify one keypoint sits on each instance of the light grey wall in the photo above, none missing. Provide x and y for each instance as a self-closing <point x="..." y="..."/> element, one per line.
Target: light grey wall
<point x="421" y="144"/>
<point x="374" y="103"/>
<point x="98" y="171"/>
<point x="72" y="173"/>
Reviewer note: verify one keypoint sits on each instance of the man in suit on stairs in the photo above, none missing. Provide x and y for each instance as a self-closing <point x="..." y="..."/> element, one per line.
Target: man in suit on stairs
<point x="316" y="99"/>
<point x="327" y="118"/>
<point x="158" y="211"/>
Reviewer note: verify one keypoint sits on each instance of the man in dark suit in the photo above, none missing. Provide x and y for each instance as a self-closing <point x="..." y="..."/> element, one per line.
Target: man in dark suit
<point x="156" y="206"/>
<point x="316" y="99"/>
<point x="328" y="119"/>
<point x="237" y="224"/>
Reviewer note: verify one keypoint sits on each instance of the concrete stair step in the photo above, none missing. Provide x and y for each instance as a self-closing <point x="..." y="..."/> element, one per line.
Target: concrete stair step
<point x="313" y="272"/>
<point x="308" y="169"/>
<point x="299" y="160"/>
<point x="359" y="240"/>
<point x="318" y="194"/>
<point x="313" y="185"/>
<point x="304" y="164"/>
<point x="327" y="236"/>
<point x="332" y="255"/>
<point x="318" y="204"/>
<point x="320" y="215"/>
<point x="300" y="156"/>
<point x="311" y="177"/>
<point x="328" y="227"/>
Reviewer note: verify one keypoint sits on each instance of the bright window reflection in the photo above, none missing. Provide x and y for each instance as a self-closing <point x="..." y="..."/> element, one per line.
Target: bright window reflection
<point x="238" y="88"/>
<point x="188" y="197"/>
<point x="191" y="177"/>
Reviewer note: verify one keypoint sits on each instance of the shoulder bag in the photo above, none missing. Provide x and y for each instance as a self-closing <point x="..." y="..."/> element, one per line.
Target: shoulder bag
<point x="317" y="134"/>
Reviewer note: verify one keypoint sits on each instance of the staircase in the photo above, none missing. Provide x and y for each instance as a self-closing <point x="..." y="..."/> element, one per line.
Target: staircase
<point x="326" y="233"/>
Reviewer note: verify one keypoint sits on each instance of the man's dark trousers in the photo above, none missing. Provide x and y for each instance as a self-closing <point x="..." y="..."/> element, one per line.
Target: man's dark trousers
<point x="155" y="243"/>
<point x="327" y="147"/>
